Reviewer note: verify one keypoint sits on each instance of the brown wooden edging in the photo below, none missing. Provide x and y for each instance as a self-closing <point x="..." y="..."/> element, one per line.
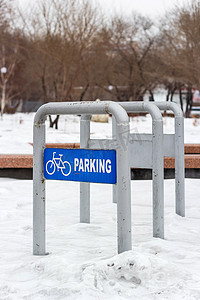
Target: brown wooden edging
<point x="26" y="161"/>
<point x="192" y="148"/>
<point x="12" y="161"/>
<point x="9" y="161"/>
<point x="63" y="145"/>
<point x="191" y="162"/>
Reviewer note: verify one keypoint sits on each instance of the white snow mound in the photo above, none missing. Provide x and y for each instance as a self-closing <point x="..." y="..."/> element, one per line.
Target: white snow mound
<point x="134" y="274"/>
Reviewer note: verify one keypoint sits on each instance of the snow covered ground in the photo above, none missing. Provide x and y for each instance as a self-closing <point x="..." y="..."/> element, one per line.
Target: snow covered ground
<point x="83" y="261"/>
<point x="16" y="131"/>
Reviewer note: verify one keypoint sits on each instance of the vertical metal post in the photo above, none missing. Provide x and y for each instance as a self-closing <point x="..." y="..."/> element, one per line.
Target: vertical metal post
<point x="114" y="188"/>
<point x="179" y="166"/>
<point x="84" y="187"/>
<point x="157" y="171"/>
<point x="38" y="189"/>
<point x="123" y="188"/>
<point x="158" y="179"/>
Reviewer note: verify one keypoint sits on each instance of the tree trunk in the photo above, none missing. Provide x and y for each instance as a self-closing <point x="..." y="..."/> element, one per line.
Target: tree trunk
<point x="172" y="94"/>
<point x="3" y="100"/>
<point x="54" y="122"/>
<point x="189" y="102"/>
<point x="84" y="92"/>
<point x="181" y="98"/>
<point x="151" y="97"/>
<point x="168" y="93"/>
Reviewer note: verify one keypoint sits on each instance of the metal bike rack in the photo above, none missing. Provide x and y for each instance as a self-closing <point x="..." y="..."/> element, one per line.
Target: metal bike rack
<point x="123" y="170"/>
<point x="146" y="151"/>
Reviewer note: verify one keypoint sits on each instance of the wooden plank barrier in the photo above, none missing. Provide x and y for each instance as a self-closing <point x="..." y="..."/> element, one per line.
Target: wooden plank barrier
<point x="9" y="161"/>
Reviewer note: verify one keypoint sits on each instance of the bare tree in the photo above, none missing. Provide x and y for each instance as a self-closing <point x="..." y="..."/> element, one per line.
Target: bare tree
<point x="180" y="50"/>
<point x="8" y="53"/>
<point x="61" y="39"/>
<point x="129" y="58"/>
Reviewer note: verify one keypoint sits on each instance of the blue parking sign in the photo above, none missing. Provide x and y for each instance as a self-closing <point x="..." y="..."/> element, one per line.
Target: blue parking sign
<point x="84" y="165"/>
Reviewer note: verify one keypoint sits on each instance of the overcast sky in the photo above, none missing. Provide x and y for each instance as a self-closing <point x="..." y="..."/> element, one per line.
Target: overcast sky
<point x="146" y="7"/>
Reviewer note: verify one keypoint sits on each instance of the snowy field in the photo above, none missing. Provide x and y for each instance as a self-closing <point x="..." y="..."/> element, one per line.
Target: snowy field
<point x="83" y="261"/>
<point x="16" y="131"/>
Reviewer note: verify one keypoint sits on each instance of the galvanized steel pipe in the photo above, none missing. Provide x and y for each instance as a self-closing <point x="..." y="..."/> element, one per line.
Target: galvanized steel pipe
<point x="158" y="170"/>
<point x="179" y="154"/>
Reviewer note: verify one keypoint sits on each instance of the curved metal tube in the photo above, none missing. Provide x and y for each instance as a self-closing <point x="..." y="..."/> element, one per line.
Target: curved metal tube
<point x="65" y="108"/>
<point x="142" y="107"/>
<point x="123" y="172"/>
<point x="170" y="106"/>
<point x="158" y="169"/>
<point x="179" y="146"/>
<point x="179" y="154"/>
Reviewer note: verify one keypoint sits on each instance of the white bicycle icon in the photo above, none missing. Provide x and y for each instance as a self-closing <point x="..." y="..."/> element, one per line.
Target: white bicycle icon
<point x="64" y="166"/>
